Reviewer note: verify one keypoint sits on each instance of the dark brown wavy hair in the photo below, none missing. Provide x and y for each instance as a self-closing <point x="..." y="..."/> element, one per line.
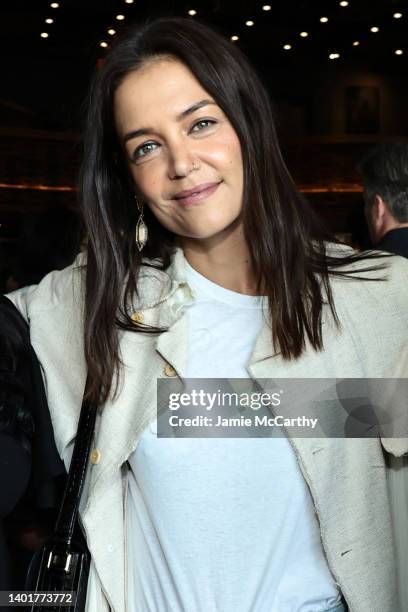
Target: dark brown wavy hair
<point x="285" y="238"/>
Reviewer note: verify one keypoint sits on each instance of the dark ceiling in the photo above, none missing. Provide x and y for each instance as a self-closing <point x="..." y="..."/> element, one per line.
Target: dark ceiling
<point x="45" y="79"/>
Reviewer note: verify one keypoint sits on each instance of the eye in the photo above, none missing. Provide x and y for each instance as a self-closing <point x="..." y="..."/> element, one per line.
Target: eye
<point x="144" y="150"/>
<point x="202" y="125"/>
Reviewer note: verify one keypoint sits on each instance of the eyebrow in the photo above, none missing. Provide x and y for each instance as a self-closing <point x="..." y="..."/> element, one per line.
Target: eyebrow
<point x="189" y="111"/>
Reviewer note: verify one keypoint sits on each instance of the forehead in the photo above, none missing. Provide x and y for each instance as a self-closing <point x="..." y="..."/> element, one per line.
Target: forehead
<point x="160" y="88"/>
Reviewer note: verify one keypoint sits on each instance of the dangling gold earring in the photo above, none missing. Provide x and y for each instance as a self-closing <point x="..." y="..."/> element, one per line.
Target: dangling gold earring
<point x="141" y="228"/>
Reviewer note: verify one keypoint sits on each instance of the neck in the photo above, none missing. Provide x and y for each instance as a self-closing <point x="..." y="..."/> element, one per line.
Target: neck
<point x="223" y="259"/>
<point x="391" y="225"/>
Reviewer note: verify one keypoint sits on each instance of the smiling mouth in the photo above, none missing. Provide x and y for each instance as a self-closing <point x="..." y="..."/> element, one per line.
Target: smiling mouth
<point x="200" y="195"/>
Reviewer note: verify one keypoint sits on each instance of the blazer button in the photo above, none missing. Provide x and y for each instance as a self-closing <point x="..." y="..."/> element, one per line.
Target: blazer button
<point x="95" y="456"/>
<point x="138" y="317"/>
<point x="169" y="370"/>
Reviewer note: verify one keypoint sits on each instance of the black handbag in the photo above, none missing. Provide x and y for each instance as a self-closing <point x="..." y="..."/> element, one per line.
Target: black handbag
<point x="62" y="564"/>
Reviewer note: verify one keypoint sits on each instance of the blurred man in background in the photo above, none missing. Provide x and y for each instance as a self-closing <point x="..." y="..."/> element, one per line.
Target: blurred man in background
<point x="385" y="178"/>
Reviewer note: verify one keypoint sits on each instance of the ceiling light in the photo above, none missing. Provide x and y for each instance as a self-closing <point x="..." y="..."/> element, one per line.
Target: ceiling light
<point x="287" y="47"/>
<point x="120" y="17"/>
<point x="334" y="55"/>
<point x="356" y="43"/>
<point x="324" y="19"/>
<point x="192" y="12"/>
<point x="112" y="32"/>
<point x="344" y="3"/>
<point x="304" y="34"/>
<point x="374" y="29"/>
<point x="266" y="7"/>
<point x="249" y="23"/>
<point x="103" y="44"/>
<point x="129" y="1"/>
<point x="397" y="15"/>
<point x="54" y="5"/>
<point x="234" y="38"/>
<point x="44" y="35"/>
<point x="49" y="20"/>
<point x="398" y="51"/>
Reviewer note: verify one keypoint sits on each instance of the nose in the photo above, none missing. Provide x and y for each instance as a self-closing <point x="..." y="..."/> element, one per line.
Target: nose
<point x="181" y="160"/>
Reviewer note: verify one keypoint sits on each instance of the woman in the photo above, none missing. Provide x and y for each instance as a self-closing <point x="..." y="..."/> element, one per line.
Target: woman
<point x="181" y="141"/>
<point x="31" y="471"/>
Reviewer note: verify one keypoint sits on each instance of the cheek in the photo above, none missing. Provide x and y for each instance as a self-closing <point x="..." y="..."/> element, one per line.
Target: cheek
<point x="146" y="180"/>
<point x="225" y="153"/>
<point x="235" y="163"/>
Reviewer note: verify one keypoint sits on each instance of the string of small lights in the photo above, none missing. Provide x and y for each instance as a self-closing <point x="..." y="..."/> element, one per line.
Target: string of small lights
<point x="333" y="54"/>
<point x="112" y="30"/>
<point x="285" y="45"/>
<point x="50" y="18"/>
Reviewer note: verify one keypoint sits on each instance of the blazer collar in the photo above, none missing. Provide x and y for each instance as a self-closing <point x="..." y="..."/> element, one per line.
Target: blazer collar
<point x="162" y="298"/>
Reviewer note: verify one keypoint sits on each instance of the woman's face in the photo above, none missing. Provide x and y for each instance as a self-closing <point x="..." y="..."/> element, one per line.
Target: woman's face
<point x="183" y="154"/>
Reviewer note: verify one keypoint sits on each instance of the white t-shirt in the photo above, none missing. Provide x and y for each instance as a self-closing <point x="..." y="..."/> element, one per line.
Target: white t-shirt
<point x="222" y="524"/>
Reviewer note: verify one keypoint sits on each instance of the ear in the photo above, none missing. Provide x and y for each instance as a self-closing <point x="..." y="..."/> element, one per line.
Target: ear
<point x="381" y="219"/>
<point x="380" y="209"/>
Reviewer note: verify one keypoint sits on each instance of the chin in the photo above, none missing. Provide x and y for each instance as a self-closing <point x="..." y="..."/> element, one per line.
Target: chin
<point x="207" y="234"/>
<point x="201" y="236"/>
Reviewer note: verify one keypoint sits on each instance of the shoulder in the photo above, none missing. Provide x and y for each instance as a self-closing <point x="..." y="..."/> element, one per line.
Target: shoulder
<point x="374" y="273"/>
<point x="59" y="286"/>
<point x="66" y="288"/>
<point x="371" y="300"/>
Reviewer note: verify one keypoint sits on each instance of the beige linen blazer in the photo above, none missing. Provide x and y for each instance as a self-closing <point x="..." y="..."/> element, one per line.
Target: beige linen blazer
<point x="347" y="478"/>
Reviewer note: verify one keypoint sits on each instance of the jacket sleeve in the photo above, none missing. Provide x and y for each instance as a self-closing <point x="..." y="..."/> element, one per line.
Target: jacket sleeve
<point x="390" y="392"/>
<point x="394" y="392"/>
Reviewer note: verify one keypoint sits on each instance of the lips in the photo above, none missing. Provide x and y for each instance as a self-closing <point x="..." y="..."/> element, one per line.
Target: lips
<point x="197" y="194"/>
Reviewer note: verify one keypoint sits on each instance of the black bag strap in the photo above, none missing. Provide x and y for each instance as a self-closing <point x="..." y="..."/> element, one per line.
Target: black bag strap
<point x="63" y="562"/>
<point x="66" y="521"/>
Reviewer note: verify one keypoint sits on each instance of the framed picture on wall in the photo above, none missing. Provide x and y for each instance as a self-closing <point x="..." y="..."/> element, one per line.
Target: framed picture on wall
<point x="362" y="105"/>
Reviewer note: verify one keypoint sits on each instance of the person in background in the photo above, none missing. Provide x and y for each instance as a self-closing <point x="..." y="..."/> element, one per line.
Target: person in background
<point x="385" y="178"/>
<point x="32" y="475"/>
